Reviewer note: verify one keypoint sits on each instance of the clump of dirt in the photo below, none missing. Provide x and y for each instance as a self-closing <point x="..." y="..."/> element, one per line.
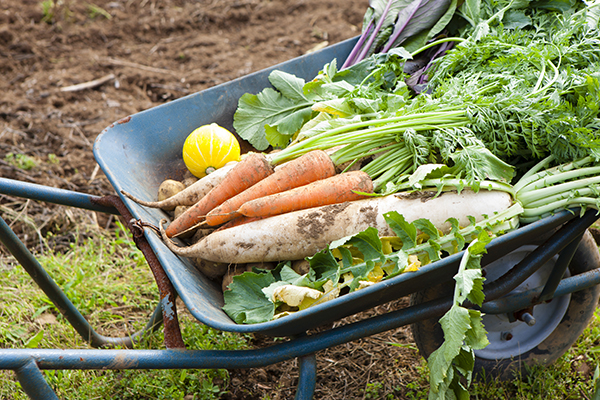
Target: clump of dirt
<point x="69" y="69"/>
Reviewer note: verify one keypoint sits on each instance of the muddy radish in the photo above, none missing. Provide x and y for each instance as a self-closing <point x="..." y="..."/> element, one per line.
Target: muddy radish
<point x="190" y="195"/>
<point x="303" y="233"/>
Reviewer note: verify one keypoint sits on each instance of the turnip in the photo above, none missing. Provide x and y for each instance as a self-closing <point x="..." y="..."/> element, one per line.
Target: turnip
<point x="300" y="234"/>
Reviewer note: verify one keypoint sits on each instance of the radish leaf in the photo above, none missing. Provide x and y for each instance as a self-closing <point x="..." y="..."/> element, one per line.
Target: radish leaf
<point x="245" y="302"/>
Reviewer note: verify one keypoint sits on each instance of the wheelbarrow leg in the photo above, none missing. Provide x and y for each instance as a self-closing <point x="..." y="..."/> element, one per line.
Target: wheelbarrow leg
<point x="33" y="383"/>
<point x="307" y="381"/>
<point x="60" y="300"/>
<point x="168" y="294"/>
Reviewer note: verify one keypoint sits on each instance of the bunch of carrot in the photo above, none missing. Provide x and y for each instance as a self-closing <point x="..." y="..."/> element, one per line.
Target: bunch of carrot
<point x="254" y="189"/>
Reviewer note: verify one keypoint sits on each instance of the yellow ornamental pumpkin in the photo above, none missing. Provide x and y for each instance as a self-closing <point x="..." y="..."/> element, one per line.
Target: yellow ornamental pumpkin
<point x="208" y="148"/>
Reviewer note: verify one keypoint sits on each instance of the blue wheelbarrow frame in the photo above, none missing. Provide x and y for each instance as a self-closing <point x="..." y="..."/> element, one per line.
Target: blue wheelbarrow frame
<point x="138" y="152"/>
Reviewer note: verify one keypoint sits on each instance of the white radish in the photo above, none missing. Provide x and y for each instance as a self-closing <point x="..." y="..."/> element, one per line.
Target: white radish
<point x="300" y="234"/>
<point x="190" y="195"/>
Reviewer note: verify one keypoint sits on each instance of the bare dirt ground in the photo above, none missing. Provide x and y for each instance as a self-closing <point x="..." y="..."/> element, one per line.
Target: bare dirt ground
<point x="147" y="52"/>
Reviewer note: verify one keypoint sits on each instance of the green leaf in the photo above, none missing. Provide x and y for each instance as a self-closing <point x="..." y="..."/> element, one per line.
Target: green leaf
<point x="368" y="243"/>
<point x="337" y="107"/>
<point x="429" y="171"/>
<point x="284" y="110"/>
<point x="405" y="231"/>
<point x="433" y="251"/>
<point x="280" y="133"/>
<point x="340" y="88"/>
<point x="455" y="323"/>
<point x="288" y="85"/>
<point x="326" y="266"/>
<point x="454" y="230"/>
<point x="481" y="164"/>
<point x="266" y="108"/>
<point x="399" y="261"/>
<point x="359" y="273"/>
<point x="471" y="11"/>
<point x="515" y="19"/>
<point x="245" y="302"/>
<point x="465" y="283"/>
<point x="35" y="340"/>
<point x="476" y="336"/>
<point x="427" y="227"/>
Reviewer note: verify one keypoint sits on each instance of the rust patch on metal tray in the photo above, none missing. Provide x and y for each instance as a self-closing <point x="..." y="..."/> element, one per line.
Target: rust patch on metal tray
<point x="124" y="120"/>
<point x="315" y="223"/>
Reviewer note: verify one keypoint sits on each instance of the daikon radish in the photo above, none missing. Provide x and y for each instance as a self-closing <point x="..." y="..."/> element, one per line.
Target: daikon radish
<point x="303" y="233"/>
<point x="190" y="195"/>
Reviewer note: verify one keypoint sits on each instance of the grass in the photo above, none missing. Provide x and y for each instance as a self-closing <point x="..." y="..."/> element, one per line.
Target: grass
<point x="572" y="376"/>
<point x="107" y="278"/>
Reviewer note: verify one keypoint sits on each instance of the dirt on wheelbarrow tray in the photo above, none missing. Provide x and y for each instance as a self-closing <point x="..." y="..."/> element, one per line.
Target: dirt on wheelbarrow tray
<point x="70" y="68"/>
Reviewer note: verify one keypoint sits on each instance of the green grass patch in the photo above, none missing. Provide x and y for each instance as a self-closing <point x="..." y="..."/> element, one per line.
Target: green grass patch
<point x="21" y="161"/>
<point x="108" y="280"/>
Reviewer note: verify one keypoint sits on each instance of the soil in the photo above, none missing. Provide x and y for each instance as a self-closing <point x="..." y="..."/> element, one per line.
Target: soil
<point x="148" y="52"/>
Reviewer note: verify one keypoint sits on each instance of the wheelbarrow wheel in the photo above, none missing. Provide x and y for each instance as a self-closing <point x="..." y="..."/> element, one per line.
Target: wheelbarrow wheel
<point x="514" y="345"/>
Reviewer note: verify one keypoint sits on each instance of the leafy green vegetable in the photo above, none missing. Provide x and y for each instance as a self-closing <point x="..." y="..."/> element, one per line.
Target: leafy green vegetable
<point x="389" y="23"/>
<point x="365" y="258"/>
<point x="274" y="113"/>
<point x="524" y="84"/>
<point x="356" y="261"/>
<point x="463" y="329"/>
<point x="246" y="303"/>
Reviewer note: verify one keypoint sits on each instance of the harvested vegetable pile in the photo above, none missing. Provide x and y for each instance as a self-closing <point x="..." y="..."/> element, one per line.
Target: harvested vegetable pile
<point x="496" y="130"/>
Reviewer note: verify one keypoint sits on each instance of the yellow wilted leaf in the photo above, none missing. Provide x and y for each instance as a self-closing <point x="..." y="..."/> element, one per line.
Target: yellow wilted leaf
<point x="413" y="263"/>
<point x="376" y="274"/>
<point x="390" y="243"/>
<point x="364" y="284"/>
<point x="293" y="295"/>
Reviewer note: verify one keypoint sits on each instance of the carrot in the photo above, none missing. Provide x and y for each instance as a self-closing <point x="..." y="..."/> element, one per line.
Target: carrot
<point x="310" y="167"/>
<point x="333" y="190"/>
<point x="190" y="195"/>
<point x="252" y="169"/>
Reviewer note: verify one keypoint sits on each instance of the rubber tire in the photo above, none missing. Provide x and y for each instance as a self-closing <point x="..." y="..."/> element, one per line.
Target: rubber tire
<point x="428" y="334"/>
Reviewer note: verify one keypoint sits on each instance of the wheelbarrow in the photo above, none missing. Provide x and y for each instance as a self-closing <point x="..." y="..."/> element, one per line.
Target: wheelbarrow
<point x="541" y="279"/>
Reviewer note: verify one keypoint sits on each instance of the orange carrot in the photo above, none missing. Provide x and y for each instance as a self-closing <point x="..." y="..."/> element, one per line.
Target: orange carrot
<point x="252" y="169"/>
<point x="310" y="167"/>
<point x="336" y="189"/>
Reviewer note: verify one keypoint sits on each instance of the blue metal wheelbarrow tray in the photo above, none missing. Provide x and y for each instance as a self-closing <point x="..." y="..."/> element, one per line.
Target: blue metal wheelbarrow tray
<point x="542" y="277"/>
